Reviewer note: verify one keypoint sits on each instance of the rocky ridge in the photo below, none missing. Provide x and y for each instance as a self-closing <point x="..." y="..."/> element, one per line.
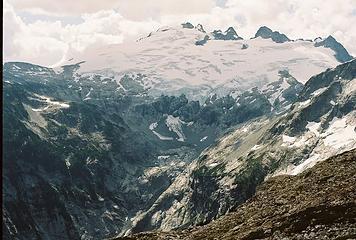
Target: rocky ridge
<point x="341" y="53"/>
<point x="319" y="125"/>
<point x="316" y="204"/>
<point x="267" y="33"/>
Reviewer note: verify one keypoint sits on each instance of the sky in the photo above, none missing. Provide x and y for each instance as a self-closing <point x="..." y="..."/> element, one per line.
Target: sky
<point x="45" y="32"/>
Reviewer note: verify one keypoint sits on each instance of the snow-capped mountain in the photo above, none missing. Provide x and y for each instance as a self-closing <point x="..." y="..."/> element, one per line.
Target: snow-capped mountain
<point x="186" y="59"/>
<point x="133" y="136"/>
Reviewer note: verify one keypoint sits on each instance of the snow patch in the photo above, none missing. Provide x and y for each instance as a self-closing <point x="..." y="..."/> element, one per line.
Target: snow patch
<point x="15" y="67"/>
<point x="313" y="127"/>
<point x="174" y="124"/>
<point x="162" y="157"/>
<point x="310" y="162"/>
<point x="213" y="164"/>
<point x="67" y="162"/>
<point x="153" y="126"/>
<point x="256" y="147"/>
<point x="51" y="102"/>
<point x="300" y="142"/>
<point x="305" y="103"/>
<point x="288" y="139"/>
<point x="40" y="109"/>
<point x="339" y="133"/>
<point x="88" y="94"/>
<point x="318" y="92"/>
<point x="203" y="139"/>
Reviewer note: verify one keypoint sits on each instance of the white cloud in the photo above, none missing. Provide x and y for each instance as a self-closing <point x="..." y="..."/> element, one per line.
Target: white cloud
<point x="140" y="10"/>
<point x="131" y="9"/>
<point x="64" y="7"/>
<point x="300" y="19"/>
<point x="46" y="42"/>
<point x="20" y="42"/>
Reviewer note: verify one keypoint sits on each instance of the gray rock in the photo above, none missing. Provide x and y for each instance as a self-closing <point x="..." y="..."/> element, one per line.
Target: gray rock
<point x="229" y="34"/>
<point x="187" y="25"/>
<point x="267" y="33"/>
<point x="341" y="53"/>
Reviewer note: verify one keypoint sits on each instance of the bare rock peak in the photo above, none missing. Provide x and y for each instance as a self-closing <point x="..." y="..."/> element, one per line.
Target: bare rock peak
<point x="276" y="36"/>
<point x="341" y="54"/>
<point x="229" y="34"/>
<point x="187" y="25"/>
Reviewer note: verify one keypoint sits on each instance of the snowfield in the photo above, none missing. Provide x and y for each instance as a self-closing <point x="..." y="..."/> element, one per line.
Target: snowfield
<point x="173" y="63"/>
<point x="340" y="136"/>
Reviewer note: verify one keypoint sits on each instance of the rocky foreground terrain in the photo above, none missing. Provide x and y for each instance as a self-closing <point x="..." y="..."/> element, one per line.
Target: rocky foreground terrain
<point x="319" y="203"/>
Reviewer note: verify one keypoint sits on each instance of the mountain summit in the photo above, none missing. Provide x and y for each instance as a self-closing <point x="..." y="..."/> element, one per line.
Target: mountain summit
<point x="229" y="34"/>
<point x="341" y="54"/>
<point x="267" y="33"/>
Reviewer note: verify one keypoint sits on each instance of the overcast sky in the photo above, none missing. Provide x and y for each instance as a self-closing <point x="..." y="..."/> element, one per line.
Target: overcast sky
<point x="45" y="31"/>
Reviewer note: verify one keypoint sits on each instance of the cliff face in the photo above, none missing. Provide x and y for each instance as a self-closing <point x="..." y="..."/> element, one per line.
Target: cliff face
<point x="319" y="203"/>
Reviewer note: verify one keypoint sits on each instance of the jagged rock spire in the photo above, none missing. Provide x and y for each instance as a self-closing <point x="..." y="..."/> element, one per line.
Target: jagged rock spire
<point x="229" y="34"/>
<point x="265" y="32"/>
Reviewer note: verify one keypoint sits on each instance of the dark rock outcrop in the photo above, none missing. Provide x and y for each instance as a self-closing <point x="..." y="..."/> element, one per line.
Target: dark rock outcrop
<point x="244" y="46"/>
<point x="229" y="34"/>
<point x="200" y="28"/>
<point x="187" y="25"/>
<point x="265" y="32"/>
<point x="341" y="54"/>
<point x="203" y="41"/>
